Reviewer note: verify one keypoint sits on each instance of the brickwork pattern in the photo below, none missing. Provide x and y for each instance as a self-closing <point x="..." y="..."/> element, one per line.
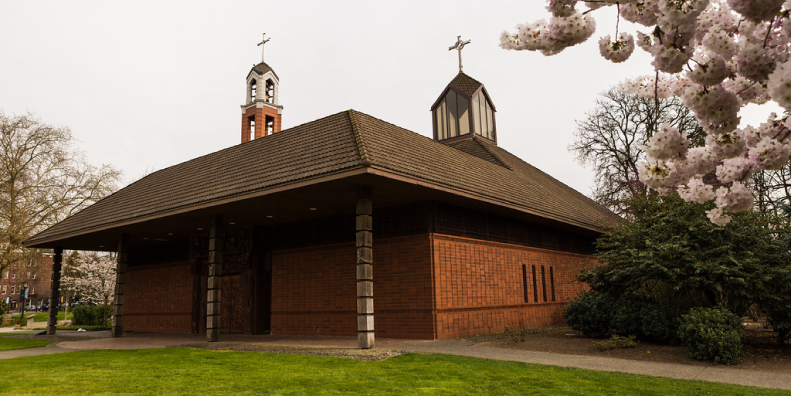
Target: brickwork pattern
<point x="259" y="114"/>
<point x="314" y="289"/>
<point x="159" y="298"/>
<point x="480" y="288"/>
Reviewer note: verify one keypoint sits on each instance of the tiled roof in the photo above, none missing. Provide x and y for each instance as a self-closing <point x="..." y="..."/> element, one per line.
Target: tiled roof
<point x="261" y="69"/>
<point x="478" y="147"/>
<point x="515" y="183"/>
<point x="326" y="146"/>
<point x="465" y="84"/>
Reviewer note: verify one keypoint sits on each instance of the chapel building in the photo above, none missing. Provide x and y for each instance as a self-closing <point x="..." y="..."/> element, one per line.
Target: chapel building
<point x="343" y="226"/>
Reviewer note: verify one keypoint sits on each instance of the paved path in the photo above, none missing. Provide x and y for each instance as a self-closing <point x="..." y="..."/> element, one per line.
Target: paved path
<point x="454" y="347"/>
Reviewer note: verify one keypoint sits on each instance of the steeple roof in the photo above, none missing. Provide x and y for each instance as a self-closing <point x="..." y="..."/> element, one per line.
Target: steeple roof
<point x="261" y="69"/>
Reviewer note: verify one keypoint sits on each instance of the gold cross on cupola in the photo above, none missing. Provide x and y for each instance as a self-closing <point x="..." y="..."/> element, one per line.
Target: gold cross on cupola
<point x="459" y="46"/>
<point x="263" y="41"/>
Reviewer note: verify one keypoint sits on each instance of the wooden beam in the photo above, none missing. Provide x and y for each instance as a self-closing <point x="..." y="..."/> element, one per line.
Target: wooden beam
<point x="122" y="259"/>
<point x="54" y="293"/>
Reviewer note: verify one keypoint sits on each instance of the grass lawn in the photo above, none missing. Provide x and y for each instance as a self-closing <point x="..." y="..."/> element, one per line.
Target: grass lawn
<point x="187" y="371"/>
<point x="41" y="316"/>
<point x="7" y="344"/>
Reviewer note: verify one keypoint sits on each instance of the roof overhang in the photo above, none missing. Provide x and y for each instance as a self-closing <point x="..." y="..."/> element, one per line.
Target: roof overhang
<point x="323" y="196"/>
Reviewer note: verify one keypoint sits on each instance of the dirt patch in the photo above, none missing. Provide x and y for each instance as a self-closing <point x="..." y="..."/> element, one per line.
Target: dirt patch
<point x="359" y="354"/>
<point x="761" y="352"/>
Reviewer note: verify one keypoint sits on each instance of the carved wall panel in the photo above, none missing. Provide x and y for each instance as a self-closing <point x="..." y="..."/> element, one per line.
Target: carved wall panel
<point x="232" y="310"/>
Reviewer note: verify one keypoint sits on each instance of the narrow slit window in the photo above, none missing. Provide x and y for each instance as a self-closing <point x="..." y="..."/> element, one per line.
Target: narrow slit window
<point x="270" y="125"/>
<point x="524" y="281"/>
<point x="535" y="285"/>
<point x="251" y="122"/>
<point x="544" y="282"/>
<point x="552" y="282"/>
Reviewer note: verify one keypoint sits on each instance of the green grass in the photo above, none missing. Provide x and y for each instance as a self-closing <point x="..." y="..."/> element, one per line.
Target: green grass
<point x="200" y="372"/>
<point x="7" y="343"/>
<point x="40" y="316"/>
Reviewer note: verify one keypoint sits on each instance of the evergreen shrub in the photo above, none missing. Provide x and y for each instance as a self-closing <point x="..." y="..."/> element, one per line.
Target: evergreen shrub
<point x="590" y="313"/>
<point x="712" y="334"/>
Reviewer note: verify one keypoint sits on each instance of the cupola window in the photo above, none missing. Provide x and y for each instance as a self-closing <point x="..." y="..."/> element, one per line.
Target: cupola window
<point x="452" y="116"/>
<point x="483" y="117"/>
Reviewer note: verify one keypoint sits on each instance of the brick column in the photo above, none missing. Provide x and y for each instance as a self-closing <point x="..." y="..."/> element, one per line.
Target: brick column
<point x="54" y="294"/>
<point x="214" y="280"/>
<point x="122" y="259"/>
<point x="365" y="284"/>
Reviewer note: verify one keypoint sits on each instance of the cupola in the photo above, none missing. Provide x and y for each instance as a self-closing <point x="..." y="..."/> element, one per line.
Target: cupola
<point x="464" y="109"/>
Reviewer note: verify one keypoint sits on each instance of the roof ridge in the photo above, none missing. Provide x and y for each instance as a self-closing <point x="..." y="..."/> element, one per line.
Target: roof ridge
<point x="358" y="139"/>
<point x="484" y="144"/>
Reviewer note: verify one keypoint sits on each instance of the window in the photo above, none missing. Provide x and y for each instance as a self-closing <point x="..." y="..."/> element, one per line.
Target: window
<point x="6" y="274"/>
<point x="13" y="275"/>
<point x="5" y="289"/>
<point x="524" y="281"/>
<point x="34" y="276"/>
<point x="452" y="116"/>
<point x="253" y="90"/>
<point x="251" y="123"/>
<point x="270" y="92"/>
<point x="535" y="285"/>
<point x="13" y="289"/>
<point x="483" y="116"/>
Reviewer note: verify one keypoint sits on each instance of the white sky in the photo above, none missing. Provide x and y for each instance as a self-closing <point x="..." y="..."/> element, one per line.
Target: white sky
<point x="147" y="84"/>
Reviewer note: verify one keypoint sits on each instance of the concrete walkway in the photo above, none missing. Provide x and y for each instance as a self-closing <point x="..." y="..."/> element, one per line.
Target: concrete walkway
<point x="454" y="347"/>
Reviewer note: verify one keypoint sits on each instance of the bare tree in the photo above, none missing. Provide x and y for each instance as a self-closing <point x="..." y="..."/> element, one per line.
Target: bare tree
<point x="612" y="135"/>
<point x="43" y="180"/>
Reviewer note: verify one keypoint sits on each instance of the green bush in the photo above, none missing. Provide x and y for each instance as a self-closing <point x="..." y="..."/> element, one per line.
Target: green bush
<point x="660" y="323"/>
<point x="712" y="334"/>
<point x="88" y="315"/>
<point x="591" y="313"/>
<point x="3" y="308"/>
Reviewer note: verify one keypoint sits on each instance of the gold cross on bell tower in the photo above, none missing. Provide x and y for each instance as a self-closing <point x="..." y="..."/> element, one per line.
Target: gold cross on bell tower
<point x="458" y="46"/>
<point x="263" y="41"/>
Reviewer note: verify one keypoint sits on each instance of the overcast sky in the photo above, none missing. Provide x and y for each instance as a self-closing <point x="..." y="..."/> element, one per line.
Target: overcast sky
<point x="148" y="84"/>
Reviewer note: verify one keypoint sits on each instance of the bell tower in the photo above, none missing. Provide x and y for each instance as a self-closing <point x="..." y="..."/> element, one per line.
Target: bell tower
<point x="261" y="113"/>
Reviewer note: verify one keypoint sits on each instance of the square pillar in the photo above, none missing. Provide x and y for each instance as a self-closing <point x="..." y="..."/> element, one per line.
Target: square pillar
<point x="54" y="293"/>
<point x="365" y="279"/>
<point x="214" y="280"/>
<point x="122" y="259"/>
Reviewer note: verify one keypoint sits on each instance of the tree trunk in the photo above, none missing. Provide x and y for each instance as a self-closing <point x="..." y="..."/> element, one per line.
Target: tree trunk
<point x="104" y="312"/>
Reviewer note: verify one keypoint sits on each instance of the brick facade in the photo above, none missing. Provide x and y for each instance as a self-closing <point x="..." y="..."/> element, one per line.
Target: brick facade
<point x="480" y="286"/>
<point x="38" y="275"/>
<point x="158" y="298"/>
<point x="259" y="114"/>
<point x="426" y="286"/>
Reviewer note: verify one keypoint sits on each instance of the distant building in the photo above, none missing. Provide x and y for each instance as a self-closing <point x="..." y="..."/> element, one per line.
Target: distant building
<point x="346" y="225"/>
<point x="38" y="276"/>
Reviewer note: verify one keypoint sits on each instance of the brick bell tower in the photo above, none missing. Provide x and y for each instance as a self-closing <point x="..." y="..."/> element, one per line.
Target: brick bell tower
<point x="261" y="114"/>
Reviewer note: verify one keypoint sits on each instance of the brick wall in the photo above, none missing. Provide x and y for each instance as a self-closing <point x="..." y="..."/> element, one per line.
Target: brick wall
<point x="158" y="298"/>
<point x="480" y="287"/>
<point x="314" y="289"/>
